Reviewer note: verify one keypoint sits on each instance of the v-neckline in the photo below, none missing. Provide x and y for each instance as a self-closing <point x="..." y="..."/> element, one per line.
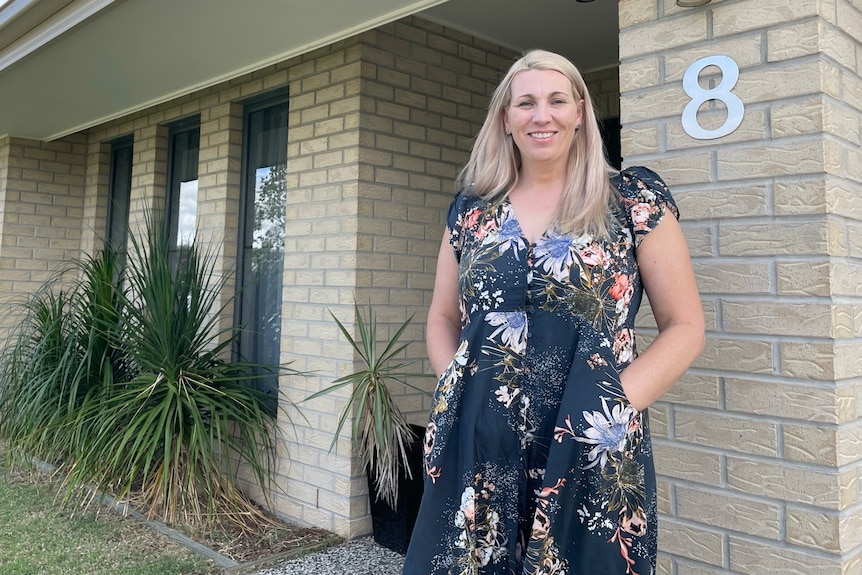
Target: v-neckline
<point x="514" y="215"/>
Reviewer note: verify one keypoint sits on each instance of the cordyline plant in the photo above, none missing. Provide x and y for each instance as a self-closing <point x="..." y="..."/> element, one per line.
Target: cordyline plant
<point x="63" y="352"/>
<point x="379" y="427"/>
<point x="128" y="388"/>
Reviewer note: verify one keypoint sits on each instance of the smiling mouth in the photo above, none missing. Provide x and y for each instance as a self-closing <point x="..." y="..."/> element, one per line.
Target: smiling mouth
<point x="541" y="135"/>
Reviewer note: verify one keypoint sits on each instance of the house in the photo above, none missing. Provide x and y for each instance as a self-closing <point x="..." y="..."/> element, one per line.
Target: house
<point x="750" y="109"/>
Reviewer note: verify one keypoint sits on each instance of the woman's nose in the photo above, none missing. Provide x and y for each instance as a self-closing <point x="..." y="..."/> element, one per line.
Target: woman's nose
<point x="541" y="113"/>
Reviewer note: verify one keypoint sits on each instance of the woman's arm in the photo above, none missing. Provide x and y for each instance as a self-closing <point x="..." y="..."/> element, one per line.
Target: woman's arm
<point x="444" y="317"/>
<point x="668" y="279"/>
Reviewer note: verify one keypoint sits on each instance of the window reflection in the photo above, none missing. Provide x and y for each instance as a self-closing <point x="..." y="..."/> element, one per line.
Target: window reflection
<point x="183" y="185"/>
<point x="188" y="209"/>
<point x="262" y="250"/>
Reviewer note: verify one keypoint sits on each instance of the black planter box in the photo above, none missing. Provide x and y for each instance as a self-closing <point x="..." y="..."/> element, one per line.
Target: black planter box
<point x="393" y="527"/>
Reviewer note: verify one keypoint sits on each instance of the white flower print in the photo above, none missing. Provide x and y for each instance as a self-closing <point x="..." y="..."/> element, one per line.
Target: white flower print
<point x="608" y="431"/>
<point x="461" y="354"/>
<point x="511" y="327"/>
<point x="624" y="348"/>
<point x="466" y="513"/>
<point x="506" y="395"/>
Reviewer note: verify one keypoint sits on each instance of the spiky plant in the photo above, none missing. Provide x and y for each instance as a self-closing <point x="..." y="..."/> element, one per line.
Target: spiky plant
<point x="379" y="428"/>
<point x="132" y="389"/>
<point x="176" y="430"/>
<point x="63" y="351"/>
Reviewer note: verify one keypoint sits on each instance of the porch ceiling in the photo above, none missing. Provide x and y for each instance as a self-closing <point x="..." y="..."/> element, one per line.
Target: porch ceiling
<point x="66" y="65"/>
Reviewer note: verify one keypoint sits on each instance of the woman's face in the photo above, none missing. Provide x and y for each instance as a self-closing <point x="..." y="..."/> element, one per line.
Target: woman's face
<point x="543" y="116"/>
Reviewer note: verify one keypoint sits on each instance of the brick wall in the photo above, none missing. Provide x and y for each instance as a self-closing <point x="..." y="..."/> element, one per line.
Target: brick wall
<point x="379" y="126"/>
<point x="378" y="132"/>
<point x="759" y="446"/>
<point x="41" y="205"/>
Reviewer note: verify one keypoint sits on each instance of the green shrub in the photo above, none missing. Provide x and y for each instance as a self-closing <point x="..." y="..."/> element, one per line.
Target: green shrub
<point x="131" y="388"/>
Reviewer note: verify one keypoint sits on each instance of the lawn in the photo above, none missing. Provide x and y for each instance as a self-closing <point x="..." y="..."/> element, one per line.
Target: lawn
<point x="38" y="538"/>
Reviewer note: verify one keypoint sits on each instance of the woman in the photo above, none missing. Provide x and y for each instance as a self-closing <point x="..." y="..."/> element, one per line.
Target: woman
<point x="537" y="455"/>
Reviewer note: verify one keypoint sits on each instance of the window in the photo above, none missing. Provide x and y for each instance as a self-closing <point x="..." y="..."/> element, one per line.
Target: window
<point x="182" y="199"/>
<point x="261" y="249"/>
<point x="119" y="194"/>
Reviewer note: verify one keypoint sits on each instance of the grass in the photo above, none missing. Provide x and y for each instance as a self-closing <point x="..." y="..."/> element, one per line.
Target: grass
<point x="38" y="538"/>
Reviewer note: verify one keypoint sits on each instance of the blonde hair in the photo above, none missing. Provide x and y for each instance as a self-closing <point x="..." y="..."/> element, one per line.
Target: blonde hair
<point x="493" y="166"/>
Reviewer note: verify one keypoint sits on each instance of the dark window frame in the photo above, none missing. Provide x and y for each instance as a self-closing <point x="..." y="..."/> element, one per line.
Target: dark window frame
<point x="190" y="129"/>
<point x="243" y="313"/>
<point x="117" y="226"/>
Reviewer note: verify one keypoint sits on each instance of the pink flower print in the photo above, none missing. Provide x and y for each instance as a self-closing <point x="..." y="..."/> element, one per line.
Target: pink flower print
<point x="471" y="218"/>
<point x="467" y="512"/>
<point x="620" y="287"/>
<point x="593" y="255"/>
<point x="544" y="494"/>
<point x="486" y="229"/>
<point x="640" y="216"/>
<point x="634" y="522"/>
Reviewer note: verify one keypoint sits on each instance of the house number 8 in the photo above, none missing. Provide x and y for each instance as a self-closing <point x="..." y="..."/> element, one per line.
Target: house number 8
<point x="721" y="93"/>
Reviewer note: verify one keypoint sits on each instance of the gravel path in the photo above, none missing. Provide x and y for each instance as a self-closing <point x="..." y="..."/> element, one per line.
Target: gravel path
<point x="357" y="557"/>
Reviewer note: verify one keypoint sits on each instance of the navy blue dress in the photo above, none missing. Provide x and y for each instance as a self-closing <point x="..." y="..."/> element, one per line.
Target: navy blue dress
<point x="535" y="462"/>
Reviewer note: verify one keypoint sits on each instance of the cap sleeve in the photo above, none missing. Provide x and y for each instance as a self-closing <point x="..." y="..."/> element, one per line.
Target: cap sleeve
<point x="645" y="200"/>
<point x="455" y="223"/>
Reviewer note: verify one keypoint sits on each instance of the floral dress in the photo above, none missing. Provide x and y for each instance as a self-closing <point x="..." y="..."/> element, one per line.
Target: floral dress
<point x="535" y="462"/>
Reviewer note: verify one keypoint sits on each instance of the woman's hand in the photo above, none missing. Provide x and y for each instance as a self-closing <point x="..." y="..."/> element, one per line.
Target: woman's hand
<point x="668" y="279"/>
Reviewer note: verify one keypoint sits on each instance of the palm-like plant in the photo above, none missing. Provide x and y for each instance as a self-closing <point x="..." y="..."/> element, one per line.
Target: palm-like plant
<point x="63" y="351"/>
<point x="379" y="427"/>
<point x="133" y="391"/>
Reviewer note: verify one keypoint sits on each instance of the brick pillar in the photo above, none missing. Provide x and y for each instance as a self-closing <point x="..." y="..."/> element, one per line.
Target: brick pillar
<point x="321" y="488"/>
<point x="219" y="166"/>
<point x="759" y="447"/>
<point x="41" y="208"/>
<point x="379" y="126"/>
<point x="149" y="172"/>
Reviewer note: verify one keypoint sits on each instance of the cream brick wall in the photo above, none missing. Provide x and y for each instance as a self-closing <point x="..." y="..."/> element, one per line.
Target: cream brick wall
<point x="41" y="206"/>
<point x="758" y="447"/>
<point x="379" y="125"/>
<point x="378" y="132"/>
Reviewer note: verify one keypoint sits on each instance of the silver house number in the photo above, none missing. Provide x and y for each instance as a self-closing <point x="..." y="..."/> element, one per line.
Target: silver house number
<point x="721" y="93"/>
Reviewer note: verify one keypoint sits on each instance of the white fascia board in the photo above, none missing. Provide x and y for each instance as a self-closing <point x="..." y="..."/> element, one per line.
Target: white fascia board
<point x="52" y="28"/>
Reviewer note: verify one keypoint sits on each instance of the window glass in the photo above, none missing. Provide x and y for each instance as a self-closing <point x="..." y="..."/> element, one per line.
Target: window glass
<point x="119" y="194"/>
<point x="182" y="201"/>
<point x="261" y="266"/>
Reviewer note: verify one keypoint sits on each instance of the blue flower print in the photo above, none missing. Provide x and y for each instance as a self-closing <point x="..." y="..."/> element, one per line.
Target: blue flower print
<point x="555" y="254"/>
<point x="509" y="235"/>
<point x="511" y="327"/>
<point x="608" y="431"/>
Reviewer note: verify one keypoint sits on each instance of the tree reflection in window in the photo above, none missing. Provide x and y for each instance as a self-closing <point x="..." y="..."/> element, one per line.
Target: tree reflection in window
<point x="263" y="233"/>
